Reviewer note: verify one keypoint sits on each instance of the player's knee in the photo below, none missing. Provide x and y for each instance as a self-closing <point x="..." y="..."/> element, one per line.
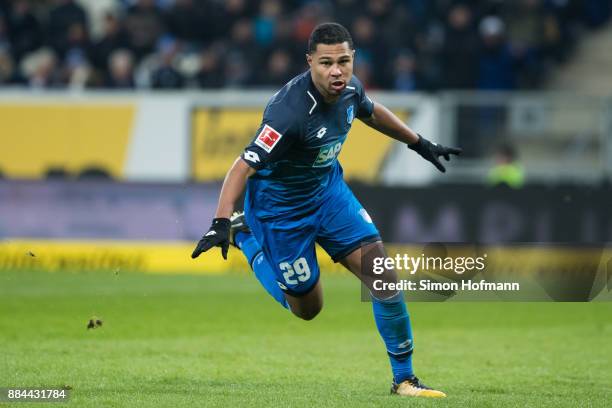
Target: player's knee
<point x="307" y="310"/>
<point x="308" y="305"/>
<point x="309" y="313"/>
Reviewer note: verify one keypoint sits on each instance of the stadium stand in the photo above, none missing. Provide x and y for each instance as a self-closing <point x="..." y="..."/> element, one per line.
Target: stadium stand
<point x="175" y="44"/>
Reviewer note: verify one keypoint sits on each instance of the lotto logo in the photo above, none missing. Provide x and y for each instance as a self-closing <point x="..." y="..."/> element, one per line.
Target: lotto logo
<point x="268" y="138"/>
<point x="251" y="156"/>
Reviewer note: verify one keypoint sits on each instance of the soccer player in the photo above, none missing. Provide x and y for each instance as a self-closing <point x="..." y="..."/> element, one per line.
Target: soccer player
<point x="296" y="196"/>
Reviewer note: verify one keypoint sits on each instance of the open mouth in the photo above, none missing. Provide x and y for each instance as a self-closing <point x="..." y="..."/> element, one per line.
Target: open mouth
<point x="338" y="85"/>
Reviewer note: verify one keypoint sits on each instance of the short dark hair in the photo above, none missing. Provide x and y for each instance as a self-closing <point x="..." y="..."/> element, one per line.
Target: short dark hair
<point x="329" y="33"/>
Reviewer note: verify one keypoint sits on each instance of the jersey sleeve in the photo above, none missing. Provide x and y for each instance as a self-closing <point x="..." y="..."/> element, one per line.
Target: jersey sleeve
<point x="277" y="132"/>
<point x="365" y="106"/>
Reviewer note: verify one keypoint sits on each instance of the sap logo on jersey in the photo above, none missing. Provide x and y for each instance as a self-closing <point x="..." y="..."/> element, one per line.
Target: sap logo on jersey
<point x="268" y="138"/>
<point x="327" y="154"/>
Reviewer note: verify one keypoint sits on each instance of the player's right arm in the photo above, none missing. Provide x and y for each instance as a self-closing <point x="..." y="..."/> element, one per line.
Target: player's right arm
<point x="276" y="134"/>
<point x="233" y="186"/>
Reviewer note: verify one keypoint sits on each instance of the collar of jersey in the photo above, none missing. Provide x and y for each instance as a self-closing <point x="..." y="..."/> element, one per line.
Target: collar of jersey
<point x="314" y="91"/>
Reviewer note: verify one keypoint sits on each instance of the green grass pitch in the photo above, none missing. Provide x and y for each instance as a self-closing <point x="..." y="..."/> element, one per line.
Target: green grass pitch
<point x="183" y="341"/>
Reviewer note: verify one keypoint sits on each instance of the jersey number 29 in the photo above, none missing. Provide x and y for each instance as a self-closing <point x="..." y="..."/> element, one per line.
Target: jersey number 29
<point x="299" y="268"/>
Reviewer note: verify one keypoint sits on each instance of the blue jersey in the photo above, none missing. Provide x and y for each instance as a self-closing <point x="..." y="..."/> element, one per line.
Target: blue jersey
<point x="296" y="148"/>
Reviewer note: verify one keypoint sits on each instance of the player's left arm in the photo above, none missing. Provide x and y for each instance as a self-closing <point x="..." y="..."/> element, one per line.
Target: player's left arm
<point x="385" y="121"/>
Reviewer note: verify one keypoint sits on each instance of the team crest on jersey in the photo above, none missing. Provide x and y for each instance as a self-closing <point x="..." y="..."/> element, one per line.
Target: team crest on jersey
<point x="350" y="114"/>
<point x="268" y="138"/>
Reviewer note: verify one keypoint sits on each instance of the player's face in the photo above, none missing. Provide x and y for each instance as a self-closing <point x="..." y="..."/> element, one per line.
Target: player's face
<point x="331" y="67"/>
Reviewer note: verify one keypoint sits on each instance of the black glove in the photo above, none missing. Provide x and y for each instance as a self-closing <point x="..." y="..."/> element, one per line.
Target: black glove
<point x="217" y="235"/>
<point x="431" y="151"/>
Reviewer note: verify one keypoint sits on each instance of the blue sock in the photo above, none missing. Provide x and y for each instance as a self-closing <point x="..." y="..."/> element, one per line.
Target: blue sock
<point x="393" y="325"/>
<point x="263" y="272"/>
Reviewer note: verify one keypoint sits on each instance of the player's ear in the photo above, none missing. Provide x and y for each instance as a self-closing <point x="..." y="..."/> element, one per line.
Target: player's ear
<point x="309" y="59"/>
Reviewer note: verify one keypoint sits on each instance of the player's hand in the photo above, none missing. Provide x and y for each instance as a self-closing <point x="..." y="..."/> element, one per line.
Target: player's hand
<point x="432" y="151"/>
<point x="217" y="235"/>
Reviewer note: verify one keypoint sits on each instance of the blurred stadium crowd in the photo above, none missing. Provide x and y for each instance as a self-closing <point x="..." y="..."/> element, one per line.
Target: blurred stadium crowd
<point x="401" y="45"/>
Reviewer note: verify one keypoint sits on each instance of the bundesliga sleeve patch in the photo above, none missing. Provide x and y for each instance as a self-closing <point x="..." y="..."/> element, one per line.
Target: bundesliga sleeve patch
<point x="268" y="138"/>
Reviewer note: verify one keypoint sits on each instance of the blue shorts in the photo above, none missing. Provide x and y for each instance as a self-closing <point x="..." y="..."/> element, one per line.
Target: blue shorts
<point x="339" y="224"/>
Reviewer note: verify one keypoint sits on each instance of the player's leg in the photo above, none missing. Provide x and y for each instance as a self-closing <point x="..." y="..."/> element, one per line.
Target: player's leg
<point x="392" y="320"/>
<point x="289" y="273"/>
<point x="390" y="313"/>
<point x="308" y="305"/>
<point x="242" y="238"/>
<point x="350" y="237"/>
